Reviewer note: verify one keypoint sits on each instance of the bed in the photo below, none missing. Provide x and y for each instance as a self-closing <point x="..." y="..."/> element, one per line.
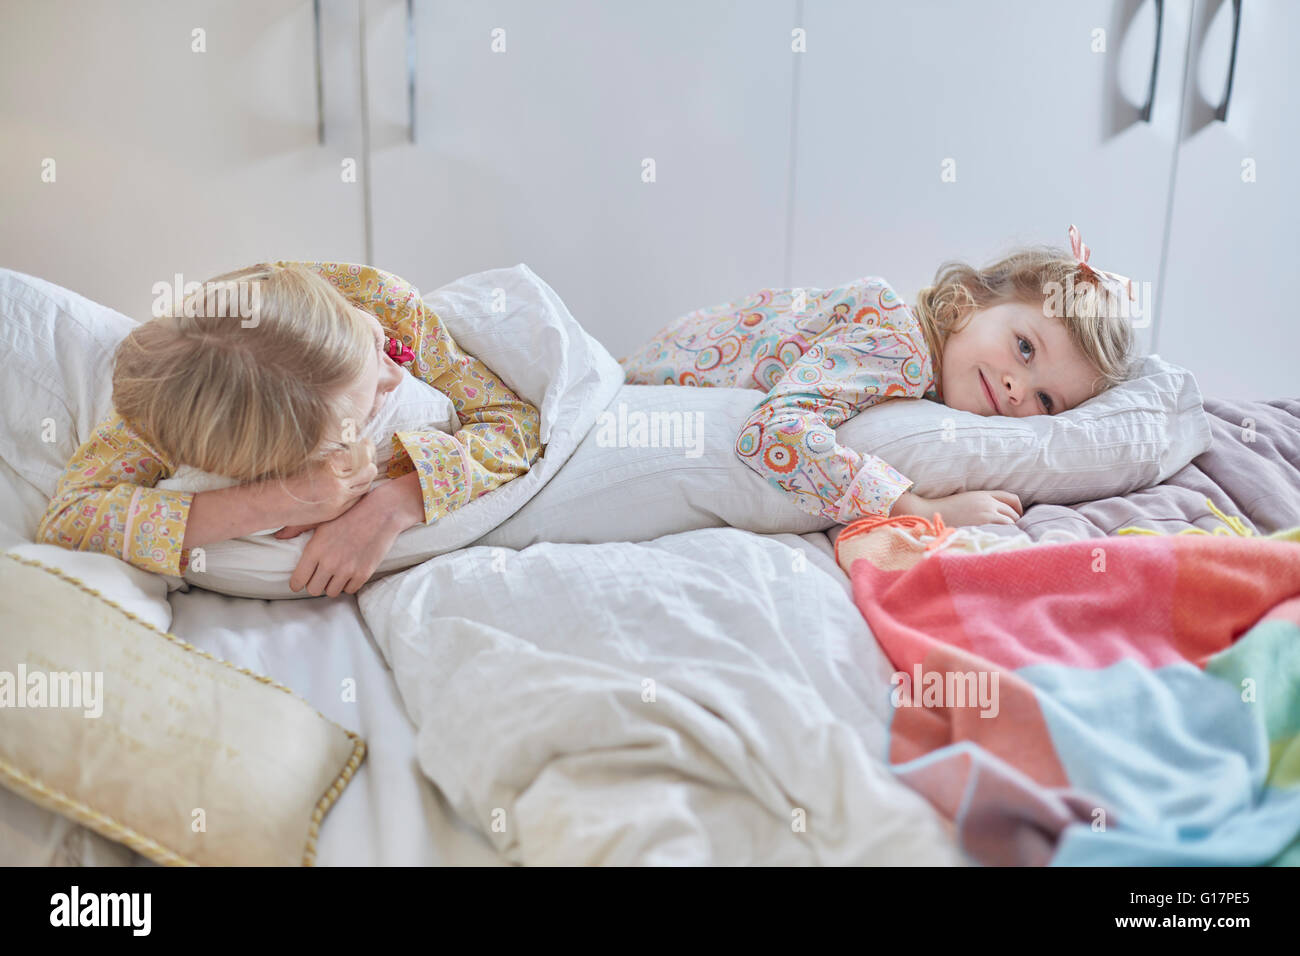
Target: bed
<point x="550" y="692"/>
<point x="394" y="814"/>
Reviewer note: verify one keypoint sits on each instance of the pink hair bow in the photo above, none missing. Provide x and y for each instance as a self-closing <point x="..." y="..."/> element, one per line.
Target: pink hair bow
<point x="399" y="353"/>
<point x="1081" y="253"/>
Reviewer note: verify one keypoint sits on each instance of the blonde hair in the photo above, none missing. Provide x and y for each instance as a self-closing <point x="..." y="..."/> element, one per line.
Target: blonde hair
<point x="253" y="399"/>
<point x="1034" y="276"/>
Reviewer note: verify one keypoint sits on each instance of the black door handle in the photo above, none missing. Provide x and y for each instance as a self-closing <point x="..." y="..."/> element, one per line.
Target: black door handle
<point x="1222" y="112"/>
<point x="1155" y="64"/>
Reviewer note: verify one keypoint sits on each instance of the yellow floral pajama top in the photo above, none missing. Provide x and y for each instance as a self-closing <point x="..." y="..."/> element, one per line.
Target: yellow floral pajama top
<point x="105" y="501"/>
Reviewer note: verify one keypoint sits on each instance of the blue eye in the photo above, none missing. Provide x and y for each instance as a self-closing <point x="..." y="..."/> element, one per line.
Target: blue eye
<point x="1042" y="396"/>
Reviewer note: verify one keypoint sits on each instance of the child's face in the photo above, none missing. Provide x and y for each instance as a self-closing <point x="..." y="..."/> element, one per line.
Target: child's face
<point x="1027" y="360"/>
<point x="381" y="376"/>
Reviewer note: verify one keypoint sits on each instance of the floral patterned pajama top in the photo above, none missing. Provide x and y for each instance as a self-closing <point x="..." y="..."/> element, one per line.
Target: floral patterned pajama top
<point x="105" y="501"/>
<point x="821" y="356"/>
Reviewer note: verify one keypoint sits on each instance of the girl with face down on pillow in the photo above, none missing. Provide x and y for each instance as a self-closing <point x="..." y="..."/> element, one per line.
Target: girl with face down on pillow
<point x="268" y="375"/>
<point x="1036" y="333"/>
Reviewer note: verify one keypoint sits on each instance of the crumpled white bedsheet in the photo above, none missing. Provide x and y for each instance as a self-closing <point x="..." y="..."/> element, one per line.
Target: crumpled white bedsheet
<point x="710" y="697"/>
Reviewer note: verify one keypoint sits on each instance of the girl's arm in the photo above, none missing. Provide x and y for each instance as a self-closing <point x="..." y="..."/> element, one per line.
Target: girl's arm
<point x="104" y="502"/>
<point x="498" y="439"/>
<point x="232" y="512"/>
<point x="500" y="434"/>
<point x="790" y="436"/>
<point x="909" y="503"/>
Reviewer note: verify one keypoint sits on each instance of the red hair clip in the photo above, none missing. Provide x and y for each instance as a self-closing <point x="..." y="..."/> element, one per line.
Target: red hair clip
<point x="398" y="352"/>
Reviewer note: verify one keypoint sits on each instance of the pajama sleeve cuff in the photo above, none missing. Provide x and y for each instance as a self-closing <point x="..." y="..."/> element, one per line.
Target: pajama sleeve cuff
<point x="874" y="491"/>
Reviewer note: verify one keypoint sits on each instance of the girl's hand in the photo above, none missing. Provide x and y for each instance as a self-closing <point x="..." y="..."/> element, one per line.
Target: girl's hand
<point x="967" y="508"/>
<point x="319" y="493"/>
<point x="344" y="552"/>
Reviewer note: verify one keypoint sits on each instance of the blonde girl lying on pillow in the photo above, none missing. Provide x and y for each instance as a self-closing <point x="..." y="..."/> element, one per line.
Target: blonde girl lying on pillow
<point x="1036" y="333"/>
<point x="276" y="399"/>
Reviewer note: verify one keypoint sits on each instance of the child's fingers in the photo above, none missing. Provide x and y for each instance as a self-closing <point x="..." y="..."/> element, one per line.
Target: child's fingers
<point x="366" y="478"/>
<point x="1009" y="498"/>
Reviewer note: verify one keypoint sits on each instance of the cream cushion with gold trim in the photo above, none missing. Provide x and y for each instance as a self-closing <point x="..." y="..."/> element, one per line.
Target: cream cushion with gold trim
<point x="180" y="756"/>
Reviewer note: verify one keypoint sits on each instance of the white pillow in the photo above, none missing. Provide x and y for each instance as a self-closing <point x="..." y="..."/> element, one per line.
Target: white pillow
<point x="1132" y="436"/>
<point x="133" y="589"/>
<point x="58" y="380"/>
<point x="58" y="385"/>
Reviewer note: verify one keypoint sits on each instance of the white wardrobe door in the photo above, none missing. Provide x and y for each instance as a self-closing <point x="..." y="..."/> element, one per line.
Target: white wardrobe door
<point x="929" y="131"/>
<point x="1234" y="243"/>
<point x="170" y="160"/>
<point x="537" y="151"/>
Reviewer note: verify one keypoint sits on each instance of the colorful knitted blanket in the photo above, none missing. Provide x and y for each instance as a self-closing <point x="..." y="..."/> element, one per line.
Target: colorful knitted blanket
<point x="1127" y="700"/>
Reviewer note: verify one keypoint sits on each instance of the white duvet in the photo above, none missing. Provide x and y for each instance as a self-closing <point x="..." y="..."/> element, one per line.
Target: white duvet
<point x="709" y="697"/>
